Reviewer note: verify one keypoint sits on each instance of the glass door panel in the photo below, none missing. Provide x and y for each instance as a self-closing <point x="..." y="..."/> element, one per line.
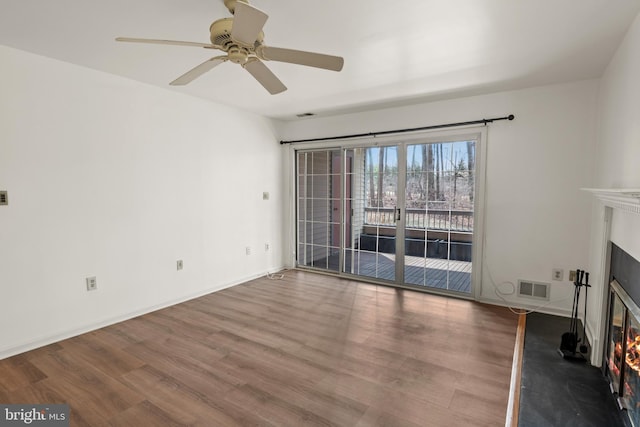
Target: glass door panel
<point x="439" y="194"/>
<point x="631" y="388"/>
<point x="371" y="247"/>
<point x="615" y="344"/>
<point x="319" y="213"/>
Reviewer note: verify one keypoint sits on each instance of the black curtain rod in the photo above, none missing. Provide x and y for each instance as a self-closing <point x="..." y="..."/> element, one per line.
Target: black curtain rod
<point x="387" y="132"/>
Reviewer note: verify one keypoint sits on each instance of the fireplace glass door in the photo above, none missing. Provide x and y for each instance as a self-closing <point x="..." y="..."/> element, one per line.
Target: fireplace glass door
<point x="631" y="379"/>
<point x="616" y="341"/>
<point x="623" y="351"/>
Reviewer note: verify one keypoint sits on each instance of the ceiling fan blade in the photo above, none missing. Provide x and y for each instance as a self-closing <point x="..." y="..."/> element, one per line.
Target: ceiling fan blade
<point x="300" y="57"/>
<point x="199" y="70"/>
<point x="169" y="42"/>
<point x="247" y="23"/>
<point x="264" y="75"/>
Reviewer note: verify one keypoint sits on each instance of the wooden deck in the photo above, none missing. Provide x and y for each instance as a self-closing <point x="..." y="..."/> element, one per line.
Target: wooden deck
<point x="428" y="272"/>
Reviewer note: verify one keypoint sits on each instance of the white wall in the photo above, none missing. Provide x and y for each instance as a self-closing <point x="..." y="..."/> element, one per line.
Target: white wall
<point x="537" y="219"/>
<point x="618" y="162"/>
<point x="114" y="179"/>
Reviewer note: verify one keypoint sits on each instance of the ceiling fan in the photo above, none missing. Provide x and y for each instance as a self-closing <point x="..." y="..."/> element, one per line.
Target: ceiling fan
<point x="242" y="39"/>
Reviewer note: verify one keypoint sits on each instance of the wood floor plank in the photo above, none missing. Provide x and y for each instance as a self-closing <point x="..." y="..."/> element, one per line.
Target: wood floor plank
<point x="177" y="398"/>
<point x="100" y="395"/>
<point x="145" y="413"/>
<point x="309" y="349"/>
<point x="17" y="372"/>
<point x="109" y="360"/>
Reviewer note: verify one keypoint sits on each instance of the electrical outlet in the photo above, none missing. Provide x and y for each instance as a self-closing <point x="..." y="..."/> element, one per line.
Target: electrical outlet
<point x="248" y="250"/>
<point x="557" y="274"/>
<point x="92" y="283"/>
<point x="266" y="247"/>
<point x="4" y="198"/>
<point x="179" y="264"/>
<point x="572" y="275"/>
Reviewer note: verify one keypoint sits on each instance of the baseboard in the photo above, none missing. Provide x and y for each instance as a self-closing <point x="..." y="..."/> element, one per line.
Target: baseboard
<point x="594" y="344"/>
<point x="53" y="338"/>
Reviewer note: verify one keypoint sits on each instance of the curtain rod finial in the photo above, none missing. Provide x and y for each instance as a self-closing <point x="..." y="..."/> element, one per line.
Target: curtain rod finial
<point x="511" y="117"/>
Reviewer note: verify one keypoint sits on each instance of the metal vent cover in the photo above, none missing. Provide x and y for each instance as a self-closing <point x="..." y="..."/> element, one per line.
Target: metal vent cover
<point x="530" y="289"/>
<point x="4" y="198"/>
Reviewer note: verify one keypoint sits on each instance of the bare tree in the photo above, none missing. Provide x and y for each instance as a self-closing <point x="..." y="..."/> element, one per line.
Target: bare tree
<point x="430" y="172"/>
<point x="371" y="182"/>
<point x="471" y="160"/>
<point x="381" y="177"/>
<point x="440" y="177"/>
<point x="458" y="172"/>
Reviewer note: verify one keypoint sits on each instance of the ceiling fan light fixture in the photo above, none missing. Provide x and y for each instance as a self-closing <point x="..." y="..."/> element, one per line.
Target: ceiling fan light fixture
<point x="238" y="55"/>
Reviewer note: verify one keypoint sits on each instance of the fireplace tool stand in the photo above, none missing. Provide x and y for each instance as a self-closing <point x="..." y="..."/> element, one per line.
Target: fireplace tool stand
<point x="569" y="342"/>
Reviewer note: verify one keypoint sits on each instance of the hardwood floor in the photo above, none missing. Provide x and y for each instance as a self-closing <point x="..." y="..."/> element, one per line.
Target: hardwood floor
<point x="305" y="350"/>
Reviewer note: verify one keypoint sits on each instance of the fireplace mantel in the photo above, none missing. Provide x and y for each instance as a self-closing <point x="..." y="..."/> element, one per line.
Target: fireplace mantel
<point x="626" y="199"/>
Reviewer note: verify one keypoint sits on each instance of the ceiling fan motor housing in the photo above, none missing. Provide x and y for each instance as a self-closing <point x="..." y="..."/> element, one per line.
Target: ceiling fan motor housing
<point x="220" y="35"/>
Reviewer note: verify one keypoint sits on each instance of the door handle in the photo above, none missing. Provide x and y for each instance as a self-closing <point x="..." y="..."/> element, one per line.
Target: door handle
<point x="397" y="214"/>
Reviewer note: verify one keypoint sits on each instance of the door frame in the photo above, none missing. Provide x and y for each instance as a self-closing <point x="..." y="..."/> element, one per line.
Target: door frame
<point x="478" y="133"/>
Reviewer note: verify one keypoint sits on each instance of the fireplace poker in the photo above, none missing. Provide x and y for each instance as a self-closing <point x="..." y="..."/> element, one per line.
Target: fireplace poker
<point x="584" y="347"/>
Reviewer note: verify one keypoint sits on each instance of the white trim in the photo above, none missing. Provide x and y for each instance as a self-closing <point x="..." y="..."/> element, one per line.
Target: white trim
<point x="479" y="223"/>
<point x="626" y="199"/>
<point x="598" y="336"/>
<point x="516" y="374"/>
<point x="292" y="241"/>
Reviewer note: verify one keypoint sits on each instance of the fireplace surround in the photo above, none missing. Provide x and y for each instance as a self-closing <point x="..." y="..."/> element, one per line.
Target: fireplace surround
<point x="622" y="352"/>
<point x="615" y="333"/>
<point x="626" y="204"/>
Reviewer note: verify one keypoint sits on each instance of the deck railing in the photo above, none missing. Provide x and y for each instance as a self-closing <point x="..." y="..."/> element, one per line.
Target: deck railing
<point x="433" y="219"/>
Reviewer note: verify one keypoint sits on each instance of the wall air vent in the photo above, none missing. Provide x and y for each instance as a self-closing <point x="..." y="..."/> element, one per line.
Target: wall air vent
<point x="537" y="290"/>
<point x="4" y="198"/>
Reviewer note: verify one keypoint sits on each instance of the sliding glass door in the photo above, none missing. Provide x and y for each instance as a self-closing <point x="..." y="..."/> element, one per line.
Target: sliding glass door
<point x="439" y="212"/>
<point x="400" y="214"/>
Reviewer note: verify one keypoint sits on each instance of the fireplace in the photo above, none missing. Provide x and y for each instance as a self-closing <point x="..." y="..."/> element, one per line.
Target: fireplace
<point x="622" y="353"/>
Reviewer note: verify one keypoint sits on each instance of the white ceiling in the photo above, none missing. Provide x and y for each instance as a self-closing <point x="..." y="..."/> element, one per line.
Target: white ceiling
<point x="396" y="52"/>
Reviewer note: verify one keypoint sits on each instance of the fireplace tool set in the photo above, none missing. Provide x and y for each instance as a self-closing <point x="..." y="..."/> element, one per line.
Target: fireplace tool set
<point x="570" y="340"/>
